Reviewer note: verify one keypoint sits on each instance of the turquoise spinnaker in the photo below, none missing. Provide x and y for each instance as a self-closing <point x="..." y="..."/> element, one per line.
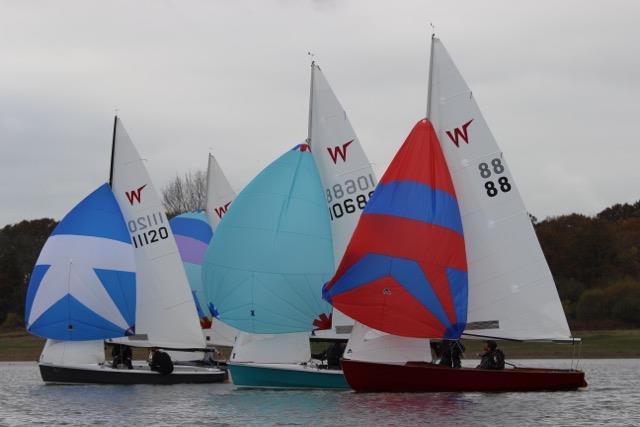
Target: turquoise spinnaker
<point x="264" y="271"/>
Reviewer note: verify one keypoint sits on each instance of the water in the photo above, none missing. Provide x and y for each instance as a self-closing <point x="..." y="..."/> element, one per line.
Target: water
<point x="612" y="399"/>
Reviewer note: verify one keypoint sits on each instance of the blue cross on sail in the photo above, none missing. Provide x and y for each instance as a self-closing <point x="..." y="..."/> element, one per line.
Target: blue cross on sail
<point x="83" y="286"/>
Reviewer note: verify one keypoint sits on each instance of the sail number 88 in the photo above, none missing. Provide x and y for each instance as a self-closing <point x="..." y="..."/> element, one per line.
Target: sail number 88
<point x="494" y="168"/>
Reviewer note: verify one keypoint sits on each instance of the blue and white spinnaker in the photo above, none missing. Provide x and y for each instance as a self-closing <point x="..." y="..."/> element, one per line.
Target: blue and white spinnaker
<point x="83" y="286"/>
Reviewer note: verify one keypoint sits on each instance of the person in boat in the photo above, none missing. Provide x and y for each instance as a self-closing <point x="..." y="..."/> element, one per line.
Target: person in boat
<point x="452" y="351"/>
<point x="332" y="355"/>
<point x="122" y="356"/>
<point x="492" y="357"/>
<point x="160" y="362"/>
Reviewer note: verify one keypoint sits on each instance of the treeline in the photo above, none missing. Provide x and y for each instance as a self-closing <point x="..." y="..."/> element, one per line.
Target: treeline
<point x="595" y="262"/>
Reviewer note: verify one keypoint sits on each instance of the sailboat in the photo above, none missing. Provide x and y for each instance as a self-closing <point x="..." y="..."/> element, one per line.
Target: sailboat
<point x="445" y="249"/>
<point x="193" y="232"/>
<point x="264" y="271"/>
<point x="111" y="271"/>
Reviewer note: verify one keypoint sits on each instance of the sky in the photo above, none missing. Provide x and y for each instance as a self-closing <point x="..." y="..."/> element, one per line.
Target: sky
<point x="557" y="81"/>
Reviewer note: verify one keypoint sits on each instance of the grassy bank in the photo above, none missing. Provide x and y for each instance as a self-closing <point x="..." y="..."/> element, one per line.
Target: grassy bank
<point x="17" y="345"/>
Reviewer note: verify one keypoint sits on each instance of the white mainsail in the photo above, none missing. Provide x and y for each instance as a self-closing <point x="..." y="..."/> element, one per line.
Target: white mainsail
<point x="220" y="195"/>
<point x="345" y="171"/>
<point x="166" y="313"/>
<point x="511" y="290"/>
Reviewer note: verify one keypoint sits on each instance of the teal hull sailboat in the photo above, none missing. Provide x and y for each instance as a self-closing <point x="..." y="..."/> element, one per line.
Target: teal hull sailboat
<point x="263" y="274"/>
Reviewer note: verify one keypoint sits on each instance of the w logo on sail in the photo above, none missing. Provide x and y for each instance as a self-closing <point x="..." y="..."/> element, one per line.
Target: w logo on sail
<point x="134" y="195"/>
<point x="339" y="151"/>
<point x="222" y="210"/>
<point x="459" y="134"/>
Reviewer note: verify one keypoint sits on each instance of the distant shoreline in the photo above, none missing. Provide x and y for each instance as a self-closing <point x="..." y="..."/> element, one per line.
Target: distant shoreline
<point x="19" y="346"/>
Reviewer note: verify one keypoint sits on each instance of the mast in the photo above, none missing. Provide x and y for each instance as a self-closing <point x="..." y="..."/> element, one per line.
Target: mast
<point x="313" y="66"/>
<point x="433" y="37"/>
<point x="113" y="150"/>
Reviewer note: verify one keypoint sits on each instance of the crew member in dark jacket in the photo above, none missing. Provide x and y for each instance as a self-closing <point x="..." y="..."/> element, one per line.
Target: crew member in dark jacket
<point x="451" y="353"/>
<point x="160" y="362"/>
<point x="492" y="357"/>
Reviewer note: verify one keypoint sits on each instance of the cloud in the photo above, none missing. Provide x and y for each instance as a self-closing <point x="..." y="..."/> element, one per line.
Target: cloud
<point x="557" y="83"/>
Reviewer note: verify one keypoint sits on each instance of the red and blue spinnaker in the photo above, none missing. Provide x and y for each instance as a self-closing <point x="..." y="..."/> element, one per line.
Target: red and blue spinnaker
<point x="405" y="269"/>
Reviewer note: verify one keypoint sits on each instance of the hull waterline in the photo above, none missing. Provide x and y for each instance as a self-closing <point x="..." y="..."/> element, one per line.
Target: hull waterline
<point x="289" y="376"/>
<point x="102" y="374"/>
<point x="428" y="377"/>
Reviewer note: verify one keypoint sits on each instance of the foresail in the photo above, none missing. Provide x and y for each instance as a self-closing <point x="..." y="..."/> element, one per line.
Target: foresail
<point x="265" y="267"/>
<point x="83" y="286"/>
<point x="511" y="291"/>
<point x="344" y="168"/>
<point x="219" y="193"/>
<point x="404" y="271"/>
<point x="166" y="315"/>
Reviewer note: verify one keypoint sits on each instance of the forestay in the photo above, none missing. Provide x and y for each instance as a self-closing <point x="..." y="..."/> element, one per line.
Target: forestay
<point x="404" y="271"/>
<point x="166" y="314"/>
<point x="83" y="286"/>
<point x="345" y="171"/>
<point x="511" y="291"/>
<point x="271" y="253"/>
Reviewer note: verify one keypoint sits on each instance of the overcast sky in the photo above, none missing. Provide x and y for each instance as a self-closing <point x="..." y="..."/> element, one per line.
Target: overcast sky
<point x="558" y="82"/>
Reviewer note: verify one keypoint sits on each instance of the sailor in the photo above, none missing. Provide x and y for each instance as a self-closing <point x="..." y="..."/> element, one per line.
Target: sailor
<point x="492" y="357"/>
<point x="332" y="355"/>
<point x="451" y="353"/>
<point x="160" y="362"/>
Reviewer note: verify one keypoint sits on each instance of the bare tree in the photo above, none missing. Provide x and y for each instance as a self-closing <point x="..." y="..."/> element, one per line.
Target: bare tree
<point x="185" y="194"/>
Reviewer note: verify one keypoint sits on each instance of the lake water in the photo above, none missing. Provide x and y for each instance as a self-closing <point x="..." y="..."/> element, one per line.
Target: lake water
<point x="612" y="399"/>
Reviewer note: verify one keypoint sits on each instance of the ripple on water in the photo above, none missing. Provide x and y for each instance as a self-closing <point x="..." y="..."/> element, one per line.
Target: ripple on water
<point x="611" y="398"/>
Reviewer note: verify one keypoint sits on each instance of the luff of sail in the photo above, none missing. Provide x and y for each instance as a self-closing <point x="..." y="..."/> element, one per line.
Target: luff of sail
<point x="83" y="286"/>
<point x="166" y="314"/>
<point x="272" y="251"/>
<point x="344" y="168"/>
<point x="404" y="271"/>
<point x="511" y="290"/>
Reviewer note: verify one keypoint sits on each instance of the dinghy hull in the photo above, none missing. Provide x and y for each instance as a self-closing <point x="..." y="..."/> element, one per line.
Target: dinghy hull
<point x="429" y="377"/>
<point x="102" y="374"/>
<point x="283" y="375"/>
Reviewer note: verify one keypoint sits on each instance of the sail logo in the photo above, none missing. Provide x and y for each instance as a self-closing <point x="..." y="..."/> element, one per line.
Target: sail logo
<point x="458" y="134"/>
<point x="222" y="210"/>
<point x="135" y="195"/>
<point x="339" y="151"/>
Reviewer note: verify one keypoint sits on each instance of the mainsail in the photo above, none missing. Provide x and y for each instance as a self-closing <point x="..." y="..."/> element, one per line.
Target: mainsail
<point x="404" y="271"/>
<point x="511" y="290"/>
<point x="264" y="269"/>
<point x="166" y="315"/>
<point x="219" y="193"/>
<point x="83" y="286"/>
<point x="345" y="171"/>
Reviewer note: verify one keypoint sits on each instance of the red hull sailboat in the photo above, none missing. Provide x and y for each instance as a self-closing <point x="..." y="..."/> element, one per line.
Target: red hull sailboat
<point x="445" y="250"/>
<point x="426" y="377"/>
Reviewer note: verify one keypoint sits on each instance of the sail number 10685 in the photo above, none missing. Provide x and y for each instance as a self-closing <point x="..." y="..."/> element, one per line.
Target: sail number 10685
<point x="350" y="196"/>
